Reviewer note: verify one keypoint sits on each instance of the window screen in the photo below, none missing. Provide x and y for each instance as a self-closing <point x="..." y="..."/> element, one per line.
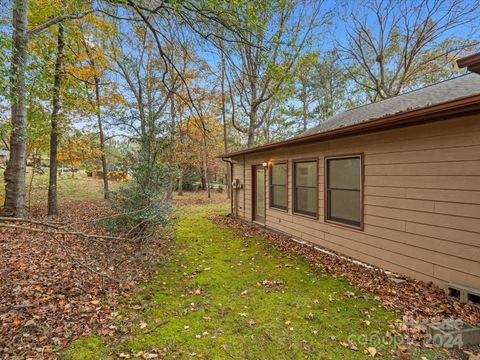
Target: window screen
<point x="305" y="193"/>
<point x="278" y="185"/>
<point x="344" y="182"/>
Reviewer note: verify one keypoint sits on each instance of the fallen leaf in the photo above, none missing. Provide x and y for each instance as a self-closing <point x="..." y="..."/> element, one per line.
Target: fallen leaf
<point x="472" y="356"/>
<point x="371" y="351"/>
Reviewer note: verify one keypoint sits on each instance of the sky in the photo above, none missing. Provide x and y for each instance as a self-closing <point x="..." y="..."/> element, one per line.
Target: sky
<point x="326" y="37"/>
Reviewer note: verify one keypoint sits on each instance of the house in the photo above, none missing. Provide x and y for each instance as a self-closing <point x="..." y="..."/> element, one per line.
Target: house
<point x="4" y="156"/>
<point x="395" y="183"/>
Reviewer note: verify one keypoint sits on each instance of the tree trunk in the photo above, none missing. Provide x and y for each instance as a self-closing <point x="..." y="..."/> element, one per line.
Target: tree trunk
<point x="251" y="130"/>
<point x="36" y="160"/>
<point x="57" y="83"/>
<point x="180" y="184"/>
<point x="203" y="177"/>
<point x="172" y="146"/>
<point x="205" y="171"/>
<point x="205" y="165"/>
<point x="106" y="191"/>
<point x="16" y="167"/>
<point x="304" y="107"/>
<point x="225" y="137"/>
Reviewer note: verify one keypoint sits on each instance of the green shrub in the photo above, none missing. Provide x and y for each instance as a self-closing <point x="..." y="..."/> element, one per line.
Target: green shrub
<point x="141" y="203"/>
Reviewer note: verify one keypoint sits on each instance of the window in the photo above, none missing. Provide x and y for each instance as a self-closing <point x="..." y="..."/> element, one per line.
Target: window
<point x="343" y="187"/>
<point x="305" y="190"/>
<point x="278" y="185"/>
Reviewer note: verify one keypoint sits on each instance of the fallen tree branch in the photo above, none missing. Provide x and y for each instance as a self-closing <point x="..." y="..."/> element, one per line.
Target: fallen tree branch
<point x="63" y="232"/>
<point x="36" y="222"/>
<point x="156" y="326"/>
<point x="15" y="307"/>
<point x="106" y="217"/>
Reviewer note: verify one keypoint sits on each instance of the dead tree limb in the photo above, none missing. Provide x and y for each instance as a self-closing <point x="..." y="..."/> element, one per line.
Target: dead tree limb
<point x="62" y="232"/>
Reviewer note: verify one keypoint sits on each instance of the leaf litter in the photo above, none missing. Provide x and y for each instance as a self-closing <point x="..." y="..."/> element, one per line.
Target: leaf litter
<point x="53" y="290"/>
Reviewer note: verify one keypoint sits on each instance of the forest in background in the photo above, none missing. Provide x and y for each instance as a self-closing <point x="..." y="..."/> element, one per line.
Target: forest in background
<point x="155" y="91"/>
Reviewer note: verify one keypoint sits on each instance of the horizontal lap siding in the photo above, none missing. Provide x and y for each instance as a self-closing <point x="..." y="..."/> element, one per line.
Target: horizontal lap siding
<point x="421" y="200"/>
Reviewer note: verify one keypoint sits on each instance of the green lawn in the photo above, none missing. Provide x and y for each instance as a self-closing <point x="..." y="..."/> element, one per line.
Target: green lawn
<point x="80" y="187"/>
<point x="208" y="301"/>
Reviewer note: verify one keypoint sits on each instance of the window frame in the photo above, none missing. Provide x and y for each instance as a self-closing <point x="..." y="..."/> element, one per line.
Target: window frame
<point x="270" y="186"/>
<point x="295" y="211"/>
<point x="326" y="218"/>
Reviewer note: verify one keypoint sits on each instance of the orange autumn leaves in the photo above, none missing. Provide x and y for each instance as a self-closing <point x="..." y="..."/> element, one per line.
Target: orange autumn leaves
<point x="199" y="136"/>
<point x="76" y="150"/>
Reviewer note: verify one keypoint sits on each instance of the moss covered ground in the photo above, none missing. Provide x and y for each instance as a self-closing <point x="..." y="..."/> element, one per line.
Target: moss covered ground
<point x="222" y="295"/>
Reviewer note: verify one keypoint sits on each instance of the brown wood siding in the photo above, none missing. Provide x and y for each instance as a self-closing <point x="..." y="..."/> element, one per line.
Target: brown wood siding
<point x="421" y="200"/>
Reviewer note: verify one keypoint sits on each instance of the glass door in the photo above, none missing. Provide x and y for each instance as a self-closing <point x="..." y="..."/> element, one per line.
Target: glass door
<point x="259" y="193"/>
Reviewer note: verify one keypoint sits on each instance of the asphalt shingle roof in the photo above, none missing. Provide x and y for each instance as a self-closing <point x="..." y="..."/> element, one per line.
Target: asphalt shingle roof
<point x="456" y="88"/>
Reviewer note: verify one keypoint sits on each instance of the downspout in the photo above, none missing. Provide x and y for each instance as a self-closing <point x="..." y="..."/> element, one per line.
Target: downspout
<point x="244" y="187"/>
<point x="230" y="187"/>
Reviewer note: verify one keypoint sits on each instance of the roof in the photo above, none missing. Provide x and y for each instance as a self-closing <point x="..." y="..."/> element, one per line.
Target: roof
<point x="425" y="104"/>
<point x="444" y="91"/>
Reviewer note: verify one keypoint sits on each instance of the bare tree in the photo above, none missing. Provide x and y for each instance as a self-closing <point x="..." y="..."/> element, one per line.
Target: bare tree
<point x="97" y="104"/>
<point x="141" y="70"/>
<point x="280" y="32"/>
<point x="305" y="89"/>
<point x="330" y="88"/>
<point x="224" y="122"/>
<point x="394" y="45"/>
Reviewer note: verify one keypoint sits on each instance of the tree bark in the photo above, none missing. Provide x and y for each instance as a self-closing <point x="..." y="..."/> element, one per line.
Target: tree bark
<point x="180" y="184"/>
<point x="224" y="119"/>
<point x="251" y="130"/>
<point x="304" y="106"/>
<point x="171" y="179"/>
<point x="203" y="176"/>
<point x="14" y="204"/>
<point x="205" y="171"/>
<point x="205" y="165"/>
<point x="106" y="191"/>
<point x="57" y="83"/>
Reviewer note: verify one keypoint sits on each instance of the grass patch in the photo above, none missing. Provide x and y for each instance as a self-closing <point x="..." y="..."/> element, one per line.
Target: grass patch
<point x="211" y="300"/>
<point x="80" y="187"/>
<point x="88" y="348"/>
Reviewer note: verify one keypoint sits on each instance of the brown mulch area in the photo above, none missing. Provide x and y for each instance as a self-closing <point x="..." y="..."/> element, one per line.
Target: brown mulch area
<point x="420" y="303"/>
<point x="56" y="288"/>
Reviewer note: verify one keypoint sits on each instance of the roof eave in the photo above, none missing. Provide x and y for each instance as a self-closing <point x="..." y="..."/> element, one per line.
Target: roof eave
<point x="446" y="110"/>
<point x="472" y="63"/>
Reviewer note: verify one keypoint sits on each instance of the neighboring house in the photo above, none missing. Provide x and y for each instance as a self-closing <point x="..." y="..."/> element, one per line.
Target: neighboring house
<point x="395" y="184"/>
<point x="4" y="156"/>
